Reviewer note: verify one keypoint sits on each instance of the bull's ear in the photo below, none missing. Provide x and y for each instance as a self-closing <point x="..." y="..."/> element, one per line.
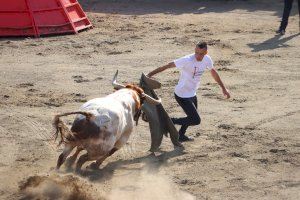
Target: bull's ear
<point x="151" y="83"/>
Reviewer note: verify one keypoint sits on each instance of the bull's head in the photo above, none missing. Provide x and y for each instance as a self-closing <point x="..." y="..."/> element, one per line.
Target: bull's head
<point x="147" y="98"/>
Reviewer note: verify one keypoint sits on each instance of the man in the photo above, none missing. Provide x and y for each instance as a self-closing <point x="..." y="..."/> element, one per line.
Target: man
<point x="191" y="68"/>
<point x="285" y="17"/>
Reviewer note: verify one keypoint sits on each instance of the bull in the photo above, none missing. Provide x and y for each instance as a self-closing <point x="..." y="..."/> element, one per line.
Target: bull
<point x="102" y="126"/>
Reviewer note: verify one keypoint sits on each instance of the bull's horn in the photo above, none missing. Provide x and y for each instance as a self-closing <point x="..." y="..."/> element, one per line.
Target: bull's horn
<point x="115" y="84"/>
<point x="151" y="100"/>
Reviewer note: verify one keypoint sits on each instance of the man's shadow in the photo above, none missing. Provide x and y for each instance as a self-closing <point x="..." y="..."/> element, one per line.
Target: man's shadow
<point x="152" y="163"/>
<point x="273" y="43"/>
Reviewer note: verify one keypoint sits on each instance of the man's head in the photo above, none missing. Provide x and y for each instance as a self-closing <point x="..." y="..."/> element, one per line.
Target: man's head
<point x="200" y="50"/>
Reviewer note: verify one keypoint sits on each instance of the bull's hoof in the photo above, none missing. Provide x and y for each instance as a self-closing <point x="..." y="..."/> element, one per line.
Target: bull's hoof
<point x="78" y="171"/>
<point x="93" y="166"/>
<point x="54" y="169"/>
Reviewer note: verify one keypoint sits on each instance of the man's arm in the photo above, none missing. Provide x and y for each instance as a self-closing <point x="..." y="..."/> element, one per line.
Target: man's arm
<point x="160" y="69"/>
<point x="217" y="78"/>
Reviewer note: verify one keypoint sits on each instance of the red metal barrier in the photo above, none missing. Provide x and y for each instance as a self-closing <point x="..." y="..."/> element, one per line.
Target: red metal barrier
<point x="41" y="17"/>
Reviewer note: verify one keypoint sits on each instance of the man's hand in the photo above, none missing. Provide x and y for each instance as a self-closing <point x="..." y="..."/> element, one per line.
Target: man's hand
<point x="226" y="93"/>
<point x="217" y="78"/>
<point x="160" y="69"/>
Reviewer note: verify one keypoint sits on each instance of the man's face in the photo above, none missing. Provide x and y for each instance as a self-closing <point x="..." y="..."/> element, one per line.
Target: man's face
<point x="200" y="53"/>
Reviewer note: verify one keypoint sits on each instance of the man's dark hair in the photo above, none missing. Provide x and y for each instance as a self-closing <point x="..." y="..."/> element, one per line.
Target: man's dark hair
<point x="202" y="45"/>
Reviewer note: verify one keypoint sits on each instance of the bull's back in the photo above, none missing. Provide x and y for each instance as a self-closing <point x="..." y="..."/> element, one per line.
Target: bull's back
<point x="110" y="114"/>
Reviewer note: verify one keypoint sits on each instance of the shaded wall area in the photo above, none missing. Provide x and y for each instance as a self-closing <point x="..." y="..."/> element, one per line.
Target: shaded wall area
<point x="175" y="7"/>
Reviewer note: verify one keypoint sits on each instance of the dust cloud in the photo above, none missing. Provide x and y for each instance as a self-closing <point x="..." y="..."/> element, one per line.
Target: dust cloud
<point x="137" y="185"/>
<point x="147" y="187"/>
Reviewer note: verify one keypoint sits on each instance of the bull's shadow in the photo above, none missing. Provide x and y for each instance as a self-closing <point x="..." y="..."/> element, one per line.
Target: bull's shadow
<point x="152" y="164"/>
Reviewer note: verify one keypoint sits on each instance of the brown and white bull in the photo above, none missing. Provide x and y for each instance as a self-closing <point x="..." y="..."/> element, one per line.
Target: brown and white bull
<point x="102" y="126"/>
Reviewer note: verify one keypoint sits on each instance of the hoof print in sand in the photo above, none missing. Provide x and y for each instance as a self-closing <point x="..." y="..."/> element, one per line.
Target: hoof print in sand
<point x="239" y="155"/>
<point x="114" y="52"/>
<point x="78" y="97"/>
<point x="25" y="85"/>
<point x="79" y="79"/>
<point x="226" y="126"/>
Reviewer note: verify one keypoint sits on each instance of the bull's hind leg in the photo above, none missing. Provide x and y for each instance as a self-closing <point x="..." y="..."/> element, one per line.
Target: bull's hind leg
<point x="82" y="159"/>
<point x="96" y="165"/>
<point x="71" y="160"/>
<point x="118" y="145"/>
<point x="62" y="157"/>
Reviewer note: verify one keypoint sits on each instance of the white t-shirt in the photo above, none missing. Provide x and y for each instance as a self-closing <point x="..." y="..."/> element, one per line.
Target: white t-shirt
<point x="190" y="73"/>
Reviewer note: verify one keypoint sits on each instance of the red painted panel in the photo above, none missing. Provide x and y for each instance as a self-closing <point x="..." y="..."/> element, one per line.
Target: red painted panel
<point x="66" y="2"/>
<point x="15" y="5"/>
<point x="51" y="18"/>
<point x="22" y="17"/>
<point x="15" y="20"/>
<point x="74" y="13"/>
<point x="43" y="4"/>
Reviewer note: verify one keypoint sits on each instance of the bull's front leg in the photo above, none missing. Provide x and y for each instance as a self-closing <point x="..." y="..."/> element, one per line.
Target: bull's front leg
<point x="62" y="157"/>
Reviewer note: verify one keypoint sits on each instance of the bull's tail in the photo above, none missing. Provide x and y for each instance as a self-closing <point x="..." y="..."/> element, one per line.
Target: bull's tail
<point x="62" y="129"/>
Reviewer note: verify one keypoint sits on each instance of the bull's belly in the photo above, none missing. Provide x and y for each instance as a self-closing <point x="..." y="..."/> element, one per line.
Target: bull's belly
<point x="97" y="148"/>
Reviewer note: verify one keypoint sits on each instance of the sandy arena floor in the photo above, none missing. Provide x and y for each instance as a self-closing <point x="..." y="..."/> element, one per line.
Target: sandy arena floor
<point x="247" y="147"/>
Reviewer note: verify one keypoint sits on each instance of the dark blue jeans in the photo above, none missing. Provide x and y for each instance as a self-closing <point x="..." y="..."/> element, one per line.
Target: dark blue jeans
<point x="189" y="106"/>
<point x="288" y="4"/>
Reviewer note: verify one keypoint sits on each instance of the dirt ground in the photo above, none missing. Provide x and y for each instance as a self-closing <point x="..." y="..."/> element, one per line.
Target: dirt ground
<point x="247" y="147"/>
